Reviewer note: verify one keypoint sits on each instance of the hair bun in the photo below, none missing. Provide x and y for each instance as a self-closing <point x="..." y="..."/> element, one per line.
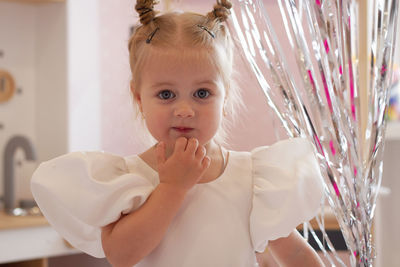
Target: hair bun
<point x="221" y="10"/>
<point x="145" y="8"/>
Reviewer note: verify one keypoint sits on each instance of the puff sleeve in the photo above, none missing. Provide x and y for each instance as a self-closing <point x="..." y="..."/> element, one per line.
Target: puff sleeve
<point x="287" y="189"/>
<point x="81" y="192"/>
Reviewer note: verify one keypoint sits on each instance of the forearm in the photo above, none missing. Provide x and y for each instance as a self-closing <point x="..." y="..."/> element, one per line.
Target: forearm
<point x="135" y="235"/>
<point x="294" y="251"/>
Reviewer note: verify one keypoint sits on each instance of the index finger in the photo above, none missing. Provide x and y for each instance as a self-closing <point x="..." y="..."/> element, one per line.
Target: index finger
<point x="160" y="153"/>
<point x="180" y="144"/>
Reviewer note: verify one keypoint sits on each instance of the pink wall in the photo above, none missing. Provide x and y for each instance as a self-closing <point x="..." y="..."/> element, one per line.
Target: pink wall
<point x="119" y="135"/>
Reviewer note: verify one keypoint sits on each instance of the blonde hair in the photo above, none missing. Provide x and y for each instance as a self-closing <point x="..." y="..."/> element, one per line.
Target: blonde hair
<point x="187" y="30"/>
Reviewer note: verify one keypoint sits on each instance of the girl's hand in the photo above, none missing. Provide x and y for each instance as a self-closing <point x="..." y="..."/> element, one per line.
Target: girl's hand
<point x="185" y="167"/>
<point x="135" y="235"/>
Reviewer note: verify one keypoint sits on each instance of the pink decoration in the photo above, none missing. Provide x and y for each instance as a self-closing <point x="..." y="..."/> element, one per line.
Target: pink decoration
<point x="332" y="148"/>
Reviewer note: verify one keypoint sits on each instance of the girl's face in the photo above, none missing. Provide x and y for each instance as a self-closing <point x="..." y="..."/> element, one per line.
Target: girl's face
<point x="181" y="94"/>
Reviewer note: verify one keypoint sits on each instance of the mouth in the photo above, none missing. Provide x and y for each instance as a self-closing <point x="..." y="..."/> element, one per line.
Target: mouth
<point x="182" y="129"/>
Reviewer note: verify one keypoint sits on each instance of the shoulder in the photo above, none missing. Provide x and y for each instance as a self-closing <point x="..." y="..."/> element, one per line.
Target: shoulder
<point x="239" y="161"/>
<point x="98" y="163"/>
<point x="81" y="192"/>
<point x="238" y="155"/>
<point x="291" y="161"/>
<point x="286" y="175"/>
<point x="286" y="155"/>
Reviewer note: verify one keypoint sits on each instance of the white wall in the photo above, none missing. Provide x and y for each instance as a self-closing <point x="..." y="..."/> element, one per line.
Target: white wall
<point x="32" y="38"/>
<point x="387" y="211"/>
<point x="18" y="43"/>
<point x="51" y="82"/>
<point x="84" y="94"/>
<point x="118" y="127"/>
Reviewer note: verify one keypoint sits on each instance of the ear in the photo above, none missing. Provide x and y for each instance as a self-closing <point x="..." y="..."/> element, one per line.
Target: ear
<point x="136" y="96"/>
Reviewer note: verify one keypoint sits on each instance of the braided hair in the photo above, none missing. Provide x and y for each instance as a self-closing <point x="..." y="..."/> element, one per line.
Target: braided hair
<point x="145" y="8"/>
<point x="221" y="11"/>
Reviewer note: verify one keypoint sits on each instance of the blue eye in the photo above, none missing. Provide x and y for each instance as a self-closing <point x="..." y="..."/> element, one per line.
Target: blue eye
<point x="202" y="93"/>
<point x="166" y="94"/>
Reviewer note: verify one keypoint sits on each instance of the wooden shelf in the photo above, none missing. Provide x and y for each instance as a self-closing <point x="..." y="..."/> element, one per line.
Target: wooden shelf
<point x="33" y="1"/>
<point x="15" y="222"/>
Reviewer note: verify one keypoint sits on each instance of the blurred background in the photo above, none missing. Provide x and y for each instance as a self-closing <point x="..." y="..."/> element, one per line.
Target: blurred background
<point x="64" y="86"/>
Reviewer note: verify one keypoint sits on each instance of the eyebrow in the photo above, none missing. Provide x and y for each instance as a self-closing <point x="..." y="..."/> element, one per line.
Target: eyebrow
<point x="170" y="84"/>
<point x="206" y="82"/>
<point x="161" y="84"/>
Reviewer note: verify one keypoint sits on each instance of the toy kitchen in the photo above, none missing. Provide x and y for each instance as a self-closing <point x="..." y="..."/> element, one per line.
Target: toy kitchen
<point x="33" y="123"/>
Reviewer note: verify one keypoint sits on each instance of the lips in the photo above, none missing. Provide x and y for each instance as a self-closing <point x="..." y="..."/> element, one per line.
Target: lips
<point x="182" y="129"/>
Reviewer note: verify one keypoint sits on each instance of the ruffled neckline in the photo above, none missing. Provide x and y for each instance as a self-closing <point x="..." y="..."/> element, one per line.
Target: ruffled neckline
<point x="148" y="169"/>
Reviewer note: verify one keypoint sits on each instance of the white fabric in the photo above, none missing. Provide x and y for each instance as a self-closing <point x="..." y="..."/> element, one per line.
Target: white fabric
<point x="261" y="196"/>
<point x="286" y="190"/>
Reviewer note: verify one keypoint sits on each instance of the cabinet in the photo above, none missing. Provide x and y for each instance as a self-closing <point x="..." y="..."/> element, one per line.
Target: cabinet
<point x="33" y="49"/>
<point x="32" y="244"/>
<point x="28" y="241"/>
<point x="31" y="263"/>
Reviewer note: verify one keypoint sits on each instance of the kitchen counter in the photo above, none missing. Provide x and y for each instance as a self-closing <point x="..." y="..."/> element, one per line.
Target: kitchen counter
<point x="29" y="237"/>
<point x="15" y="222"/>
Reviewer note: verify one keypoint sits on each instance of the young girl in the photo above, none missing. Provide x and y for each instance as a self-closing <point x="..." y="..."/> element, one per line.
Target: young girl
<point x="187" y="201"/>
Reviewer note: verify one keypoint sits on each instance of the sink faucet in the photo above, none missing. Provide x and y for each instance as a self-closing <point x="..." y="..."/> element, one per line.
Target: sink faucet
<point x="13" y="144"/>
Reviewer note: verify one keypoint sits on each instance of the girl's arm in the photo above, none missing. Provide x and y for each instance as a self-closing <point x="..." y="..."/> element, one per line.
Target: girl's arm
<point x="294" y="251"/>
<point x="135" y="235"/>
<point x="131" y="238"/>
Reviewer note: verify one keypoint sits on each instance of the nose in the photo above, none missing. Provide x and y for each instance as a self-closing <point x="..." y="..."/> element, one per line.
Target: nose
<point x="183" y="110"/>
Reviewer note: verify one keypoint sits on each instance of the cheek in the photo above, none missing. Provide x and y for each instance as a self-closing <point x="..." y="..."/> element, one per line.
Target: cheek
<point x="154" y="117"/>
<point x="214" y="117"/>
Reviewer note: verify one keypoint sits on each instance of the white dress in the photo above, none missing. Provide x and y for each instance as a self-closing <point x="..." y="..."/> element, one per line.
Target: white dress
<point x="262" y="195"/>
